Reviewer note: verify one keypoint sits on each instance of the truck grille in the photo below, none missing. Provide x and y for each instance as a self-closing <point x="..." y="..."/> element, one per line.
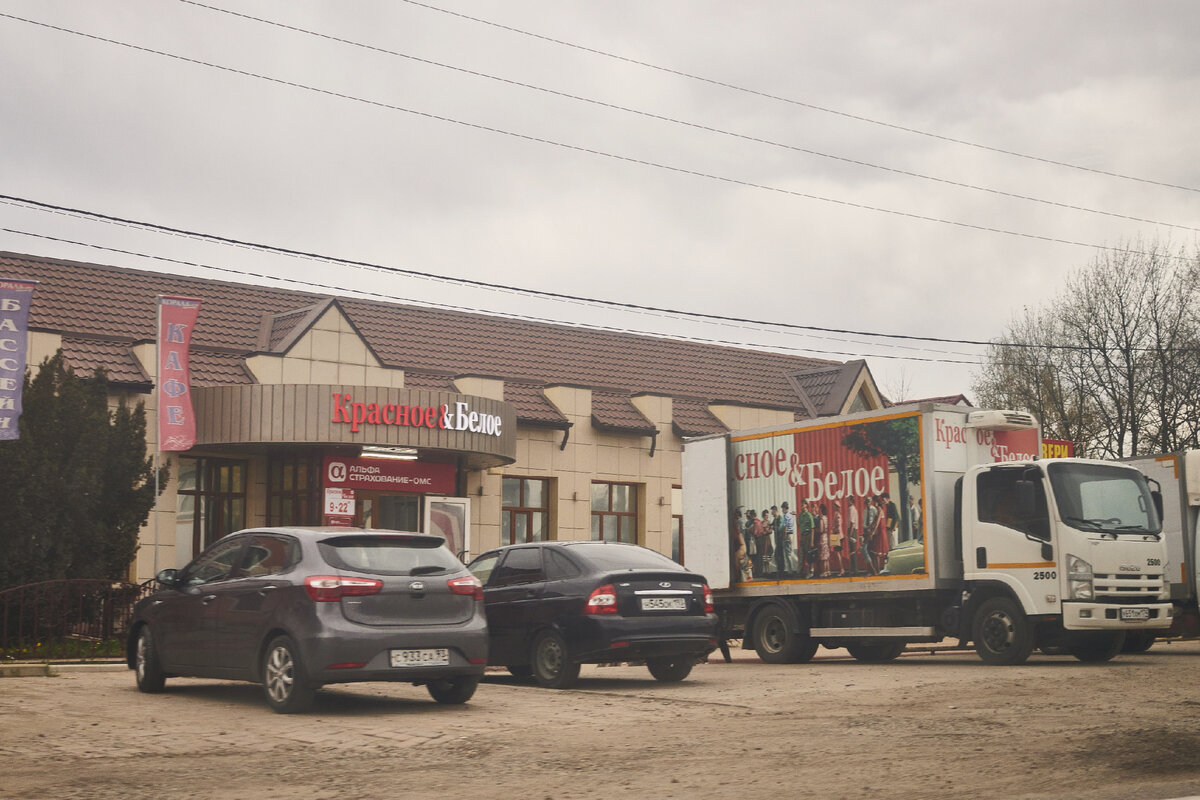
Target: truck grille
<point x="1124" y="588"/>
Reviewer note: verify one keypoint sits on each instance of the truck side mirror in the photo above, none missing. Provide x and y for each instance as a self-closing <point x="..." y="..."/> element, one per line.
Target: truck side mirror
<point x="1156" y="496"/>
<point x="1047" y="552"/>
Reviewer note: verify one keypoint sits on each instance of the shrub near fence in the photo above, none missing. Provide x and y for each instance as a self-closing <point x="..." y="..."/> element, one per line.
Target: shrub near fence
<point x="67" y="620"/>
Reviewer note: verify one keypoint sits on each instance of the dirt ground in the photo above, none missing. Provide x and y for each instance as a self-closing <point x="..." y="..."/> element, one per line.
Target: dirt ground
<point x="926" y="726"/>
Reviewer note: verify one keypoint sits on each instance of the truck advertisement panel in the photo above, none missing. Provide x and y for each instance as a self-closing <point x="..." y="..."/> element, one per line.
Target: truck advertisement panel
<point x="833" y="502"/>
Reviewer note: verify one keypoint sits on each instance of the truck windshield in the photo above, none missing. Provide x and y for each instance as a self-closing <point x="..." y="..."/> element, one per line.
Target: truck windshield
<point x="1108" y="499"/>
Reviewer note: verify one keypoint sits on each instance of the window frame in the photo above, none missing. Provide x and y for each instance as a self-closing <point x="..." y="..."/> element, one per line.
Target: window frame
<point x="510" y="514"/>
<point x="597" y="530"/>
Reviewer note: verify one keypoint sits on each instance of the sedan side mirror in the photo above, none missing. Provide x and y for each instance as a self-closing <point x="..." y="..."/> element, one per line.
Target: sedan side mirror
<point x="168" y="578"/>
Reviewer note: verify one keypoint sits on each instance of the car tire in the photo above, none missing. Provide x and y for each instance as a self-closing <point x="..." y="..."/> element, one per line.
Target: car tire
<point x="552" y="664"/>
<point x="453" y="691"/>
<point x="876" y="652"/>
<point x="148" y="669"/>
<point x="285" y="683"/>
<point x="1002" y="633"/>
<point x="1096" y="648"/>
<point x="670" y="670"/>
<point x="520" y="671"/>
<point x="776" y="641"/>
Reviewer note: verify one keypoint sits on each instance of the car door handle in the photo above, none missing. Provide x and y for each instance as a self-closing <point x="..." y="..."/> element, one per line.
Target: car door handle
<point x="263" y="591"/>
<point x="208" y="598"/>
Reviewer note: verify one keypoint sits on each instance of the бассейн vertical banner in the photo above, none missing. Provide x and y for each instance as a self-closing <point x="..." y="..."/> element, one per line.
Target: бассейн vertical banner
<point x="15" y="297"/>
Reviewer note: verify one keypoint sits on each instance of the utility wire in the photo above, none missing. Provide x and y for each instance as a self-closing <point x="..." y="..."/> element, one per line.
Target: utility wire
<point x="542" y="293"/>
<point x="685" y="123"/>
<point x="477" y="283"/>
<point x="342" y="290"/>
<point x="800" y="103"/>
<point x="579" y="148"/>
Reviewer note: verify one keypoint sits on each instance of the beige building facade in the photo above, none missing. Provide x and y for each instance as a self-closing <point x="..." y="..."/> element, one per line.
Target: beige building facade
<point x="333" y="411"/>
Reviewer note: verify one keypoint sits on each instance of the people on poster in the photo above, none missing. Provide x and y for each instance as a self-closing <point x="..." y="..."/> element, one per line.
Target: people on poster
<point x="805" y="524"/>
<point x="823" y="541"/>
<point x="785" y="550"/>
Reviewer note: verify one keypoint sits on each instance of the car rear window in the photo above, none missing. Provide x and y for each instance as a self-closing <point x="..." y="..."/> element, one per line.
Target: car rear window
<point x="611" y="557"/>
<point x="389" y="555"/>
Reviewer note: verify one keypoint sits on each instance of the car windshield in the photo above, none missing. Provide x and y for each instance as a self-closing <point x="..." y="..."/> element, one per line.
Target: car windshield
<point x="389" y="555"/>
<point x="613" y="557"/>
<point x="1103" y="498"/>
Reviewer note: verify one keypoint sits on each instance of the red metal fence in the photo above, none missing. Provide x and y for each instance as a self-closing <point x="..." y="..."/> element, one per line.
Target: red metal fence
<point x="67" y="620"/>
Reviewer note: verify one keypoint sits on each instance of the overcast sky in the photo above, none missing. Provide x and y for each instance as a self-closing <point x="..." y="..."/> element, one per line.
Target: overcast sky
<point x="834" y="165"/>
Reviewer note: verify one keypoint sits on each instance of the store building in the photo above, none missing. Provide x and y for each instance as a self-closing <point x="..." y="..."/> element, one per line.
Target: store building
<point x="313" y="409"/>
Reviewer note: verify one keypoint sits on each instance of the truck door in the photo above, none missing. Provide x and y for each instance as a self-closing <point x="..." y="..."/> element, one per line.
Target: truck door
<point x="1009" y="538"/>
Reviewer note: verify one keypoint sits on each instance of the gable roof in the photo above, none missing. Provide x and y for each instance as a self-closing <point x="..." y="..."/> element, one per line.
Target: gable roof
<point x="236" y="319"/>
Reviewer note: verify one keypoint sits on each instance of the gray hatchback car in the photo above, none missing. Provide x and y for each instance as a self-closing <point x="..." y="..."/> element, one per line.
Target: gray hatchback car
<point x="297" y="608"/>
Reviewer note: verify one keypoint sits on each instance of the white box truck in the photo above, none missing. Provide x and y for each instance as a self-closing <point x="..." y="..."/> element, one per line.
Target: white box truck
<point x="916" y="524"/>
<point x="1178" y="475"/>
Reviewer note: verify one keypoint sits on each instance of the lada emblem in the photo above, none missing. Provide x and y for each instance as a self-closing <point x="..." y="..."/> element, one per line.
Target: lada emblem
<point x="665" y="584"/>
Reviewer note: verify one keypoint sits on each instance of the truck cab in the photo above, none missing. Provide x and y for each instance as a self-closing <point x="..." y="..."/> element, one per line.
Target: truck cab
<point x="1076" y="543"/>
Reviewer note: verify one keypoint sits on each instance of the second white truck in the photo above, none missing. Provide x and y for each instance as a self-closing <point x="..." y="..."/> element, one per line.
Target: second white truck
<point x="916" y="524"/>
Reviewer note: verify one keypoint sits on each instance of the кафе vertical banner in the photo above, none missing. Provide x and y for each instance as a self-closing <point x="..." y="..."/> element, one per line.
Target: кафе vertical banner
<point x="15" y="297"/>
<point x="176" y="419"/>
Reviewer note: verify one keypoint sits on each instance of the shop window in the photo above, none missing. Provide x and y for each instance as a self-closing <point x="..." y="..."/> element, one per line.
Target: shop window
<point x="614" y="512"/>
<point x="525" y="510"/>
<point x="293" y="489"/>
<point x="677" y="524"/>
<point x="211" y="499"/>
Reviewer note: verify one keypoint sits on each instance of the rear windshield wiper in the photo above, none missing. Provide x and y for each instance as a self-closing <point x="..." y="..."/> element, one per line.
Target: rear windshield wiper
<point x="427" y="569"/>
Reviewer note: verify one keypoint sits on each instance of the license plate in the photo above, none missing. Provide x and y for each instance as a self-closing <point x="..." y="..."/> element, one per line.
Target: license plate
<point x="664" y="604"/>
<point x="434" y="657"/>
<point x="1135" y="614"/>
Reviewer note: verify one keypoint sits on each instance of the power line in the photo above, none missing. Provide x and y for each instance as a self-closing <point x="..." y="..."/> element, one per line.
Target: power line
<point x="489" y="286"/>
<point x="579" y="148"/>
<point x="478" y="284"/>
<point x="472" y="283"/>
<point x="684" y="123"/>
<point x="802" y="104"/>
<point x="451" y="307"/>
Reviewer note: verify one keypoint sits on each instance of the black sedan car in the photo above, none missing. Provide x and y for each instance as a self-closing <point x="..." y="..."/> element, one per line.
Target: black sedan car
<point x="552" y="606"/>
<point x="297" y="608"/>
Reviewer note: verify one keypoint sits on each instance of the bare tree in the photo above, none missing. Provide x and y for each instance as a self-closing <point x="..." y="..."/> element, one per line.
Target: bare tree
<point x="1113" y="362"/>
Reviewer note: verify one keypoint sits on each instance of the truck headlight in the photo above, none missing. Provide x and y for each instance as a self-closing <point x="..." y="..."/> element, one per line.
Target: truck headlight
<point x="1079" y="578"/>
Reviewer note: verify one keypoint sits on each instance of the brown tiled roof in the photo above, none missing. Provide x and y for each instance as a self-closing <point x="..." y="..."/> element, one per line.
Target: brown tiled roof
<point x="84" y="355"/>
<point x="212" y="368"/>
<point x="429" y="382"/>
<point x="117" y="303"/>
<point x="614" y="411"/>
<point x="692" y="418"/>
<point x="531" y="406"/>
<point x="824" y="389"/>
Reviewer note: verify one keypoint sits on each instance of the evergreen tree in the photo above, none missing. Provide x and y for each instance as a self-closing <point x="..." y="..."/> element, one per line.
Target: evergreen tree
<point x="77" y="484"/>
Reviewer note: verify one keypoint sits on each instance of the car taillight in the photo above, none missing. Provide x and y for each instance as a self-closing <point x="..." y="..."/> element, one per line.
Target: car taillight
<point x="331" y="588"/>
<point x="468" y="585"/>
<point x="708" y="600"/>
<point x="602" y="600"/>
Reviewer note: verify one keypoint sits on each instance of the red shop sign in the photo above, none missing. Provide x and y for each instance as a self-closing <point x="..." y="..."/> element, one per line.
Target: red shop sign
<point x="389" y="475"/>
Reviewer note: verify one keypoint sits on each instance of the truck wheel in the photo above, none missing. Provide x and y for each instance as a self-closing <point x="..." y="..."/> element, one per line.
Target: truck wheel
<point x="876" y="652"/>
<point x="1138" y="642"/>
<point x="1002" y="632"/>
<point x="776" y="642"/>
<point x="1096" y="648"/>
